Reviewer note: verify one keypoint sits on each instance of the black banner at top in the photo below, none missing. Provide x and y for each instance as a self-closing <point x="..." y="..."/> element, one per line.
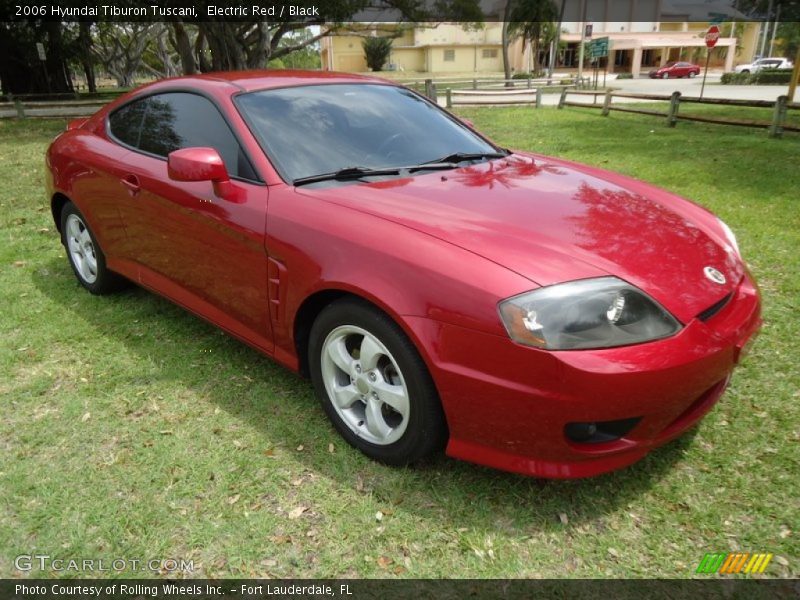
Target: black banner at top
<point x="377" y="11"/>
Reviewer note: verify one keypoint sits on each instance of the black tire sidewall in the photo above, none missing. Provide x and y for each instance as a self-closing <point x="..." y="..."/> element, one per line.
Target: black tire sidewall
<point x="106" y="281"/>
<point x="426" y="429"/>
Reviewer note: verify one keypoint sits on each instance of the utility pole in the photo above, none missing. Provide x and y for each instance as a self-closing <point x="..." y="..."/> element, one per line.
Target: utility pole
<point x="795" y="76"/>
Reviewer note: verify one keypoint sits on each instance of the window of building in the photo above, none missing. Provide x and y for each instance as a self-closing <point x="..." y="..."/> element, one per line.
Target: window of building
<point x="449" y="55"/>
<point x="489" y="53"/>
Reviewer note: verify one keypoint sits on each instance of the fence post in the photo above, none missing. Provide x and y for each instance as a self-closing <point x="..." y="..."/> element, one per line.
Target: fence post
<point x="563" y="98"/>
<point x="529" y="81"/>
<point x="20" y="108"/>
<point x="778" y="117"/>
<point x="429" y="88"/>
<point x="607" y="103"/>
<point x="674" y="104"/>
<point x="448" y="95"/>
<point x="538" y="97"/>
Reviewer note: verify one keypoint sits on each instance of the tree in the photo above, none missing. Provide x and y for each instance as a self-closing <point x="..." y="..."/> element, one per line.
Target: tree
<point x="533" y="21"/>
<point x="21" y="70"/>
<point x="121" y="47"/>
<point x="377" y="51"/>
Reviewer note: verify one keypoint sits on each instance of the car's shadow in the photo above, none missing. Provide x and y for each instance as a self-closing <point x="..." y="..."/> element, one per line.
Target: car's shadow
<point x="443" y="490"/>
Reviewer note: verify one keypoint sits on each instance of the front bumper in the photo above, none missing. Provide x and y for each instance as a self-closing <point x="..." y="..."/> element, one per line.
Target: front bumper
<point x="507" y="405"/>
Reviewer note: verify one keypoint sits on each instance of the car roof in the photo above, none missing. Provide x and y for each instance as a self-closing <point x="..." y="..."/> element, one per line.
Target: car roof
<point x="249" y="81"/>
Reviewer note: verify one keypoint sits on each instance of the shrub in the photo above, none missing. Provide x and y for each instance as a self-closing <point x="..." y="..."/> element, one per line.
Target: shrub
<point x="524" y="75"/>
<point x="773" y="77"/>
<point x="764" y="77"/>
<point x="376" y="51"/>
<point x="625" y="76"/>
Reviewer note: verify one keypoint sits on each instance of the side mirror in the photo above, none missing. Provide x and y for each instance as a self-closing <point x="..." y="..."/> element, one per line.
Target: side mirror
<point x="196" y="164"/>
<point x="199" y="164"/>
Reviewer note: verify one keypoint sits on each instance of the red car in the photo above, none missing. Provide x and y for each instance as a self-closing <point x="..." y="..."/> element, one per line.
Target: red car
<point x="523" y="312"/>
<point x="675" y="69"/>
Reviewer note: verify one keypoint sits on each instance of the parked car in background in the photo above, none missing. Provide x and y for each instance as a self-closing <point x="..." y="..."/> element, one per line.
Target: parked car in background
<point x="764" y="63"/>
<point x="675" y="69"/>
<point x="524" y="312"/>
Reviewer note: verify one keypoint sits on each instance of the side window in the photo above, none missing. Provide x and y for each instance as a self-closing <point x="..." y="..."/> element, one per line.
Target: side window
<point x="126" y="123"/>
<point x="180" y="120"/>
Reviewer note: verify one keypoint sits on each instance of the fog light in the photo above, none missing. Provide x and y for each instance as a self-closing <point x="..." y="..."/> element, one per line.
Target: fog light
<point x="596" y="432"/>
<point x="580" y="432"/>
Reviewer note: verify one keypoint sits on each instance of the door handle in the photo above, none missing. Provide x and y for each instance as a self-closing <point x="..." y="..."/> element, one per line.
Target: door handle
<point x="132" y="183"/>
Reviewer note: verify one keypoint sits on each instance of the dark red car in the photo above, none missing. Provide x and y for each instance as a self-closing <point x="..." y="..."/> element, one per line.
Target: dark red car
<point x="520" y="311"/>
<point x="675" y="69"/>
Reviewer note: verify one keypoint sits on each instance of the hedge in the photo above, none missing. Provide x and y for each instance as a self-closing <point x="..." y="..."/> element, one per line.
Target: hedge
<point x="764" y="77"/>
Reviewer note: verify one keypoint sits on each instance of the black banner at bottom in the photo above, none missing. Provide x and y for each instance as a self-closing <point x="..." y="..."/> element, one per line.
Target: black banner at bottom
<point x="358" y="589"/>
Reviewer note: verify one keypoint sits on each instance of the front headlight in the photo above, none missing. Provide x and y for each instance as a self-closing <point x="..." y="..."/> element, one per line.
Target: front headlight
<point x="589" y="313"/>
<point x="730" y="236"/>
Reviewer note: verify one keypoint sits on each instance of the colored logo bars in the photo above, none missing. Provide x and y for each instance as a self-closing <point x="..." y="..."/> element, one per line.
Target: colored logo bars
<point x="735" y="562"/>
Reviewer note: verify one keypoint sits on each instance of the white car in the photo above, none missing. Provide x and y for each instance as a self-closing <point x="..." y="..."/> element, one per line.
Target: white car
<point x="764" y="63"/>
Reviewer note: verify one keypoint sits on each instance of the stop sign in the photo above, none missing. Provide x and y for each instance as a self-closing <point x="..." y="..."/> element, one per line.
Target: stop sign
<point x="712" y="35"/>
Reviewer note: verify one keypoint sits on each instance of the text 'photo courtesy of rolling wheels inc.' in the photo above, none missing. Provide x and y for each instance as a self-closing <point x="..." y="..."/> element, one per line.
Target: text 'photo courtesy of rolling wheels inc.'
<point x="420" y="299"/>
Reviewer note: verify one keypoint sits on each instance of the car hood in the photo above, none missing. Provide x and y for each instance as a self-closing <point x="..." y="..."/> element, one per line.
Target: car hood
<point x="553" y="221"/>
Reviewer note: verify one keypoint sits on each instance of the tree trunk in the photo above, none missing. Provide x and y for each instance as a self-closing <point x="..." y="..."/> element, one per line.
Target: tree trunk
<point x="183" y="46"/>
<point x="505" y="40"/>
<point x="85" y="43"/>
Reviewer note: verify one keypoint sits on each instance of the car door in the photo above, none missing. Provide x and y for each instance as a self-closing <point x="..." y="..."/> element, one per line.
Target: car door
<point x="201" y="250"/>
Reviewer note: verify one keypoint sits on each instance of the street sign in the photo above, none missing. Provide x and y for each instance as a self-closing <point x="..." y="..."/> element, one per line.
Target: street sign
<point x="599" y="47"/>
<point x="712" y="35"/>
<point x="40" y="50"/>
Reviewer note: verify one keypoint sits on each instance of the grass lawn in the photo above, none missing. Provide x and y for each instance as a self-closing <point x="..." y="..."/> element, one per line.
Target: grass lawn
<point x="132" y="429"/>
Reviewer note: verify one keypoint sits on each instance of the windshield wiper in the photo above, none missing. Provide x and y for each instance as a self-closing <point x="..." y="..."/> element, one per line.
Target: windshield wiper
<point x="457" y="157"/>
<point x="346" y="174"/>
<point x="350" y="173"/>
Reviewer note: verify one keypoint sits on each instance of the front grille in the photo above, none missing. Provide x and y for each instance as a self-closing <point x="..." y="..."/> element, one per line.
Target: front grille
<point x="714" y="308"/>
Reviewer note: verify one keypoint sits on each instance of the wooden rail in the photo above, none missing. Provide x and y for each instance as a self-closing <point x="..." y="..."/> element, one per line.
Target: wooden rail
<point x="780" y="108"/>
<point x="66" y="108"/>
<point x="493" y="97"/>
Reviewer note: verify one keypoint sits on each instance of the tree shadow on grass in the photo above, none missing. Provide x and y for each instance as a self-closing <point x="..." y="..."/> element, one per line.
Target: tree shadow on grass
<point x="448" y="492"/>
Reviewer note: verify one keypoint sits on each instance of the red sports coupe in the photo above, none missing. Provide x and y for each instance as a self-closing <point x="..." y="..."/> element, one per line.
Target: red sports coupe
<point x="521" y="311"/>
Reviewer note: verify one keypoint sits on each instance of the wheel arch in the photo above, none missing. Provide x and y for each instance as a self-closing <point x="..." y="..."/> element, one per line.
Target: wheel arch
<point x="316" y="302"/>
<point x="57" y="203"/>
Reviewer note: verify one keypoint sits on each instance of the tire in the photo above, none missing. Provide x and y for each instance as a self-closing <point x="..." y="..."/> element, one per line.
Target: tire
<point x="373" y="384"/>
<point x="692" y="74"/>
<point x="84" y="254"/>
<point x="665" y="76"/>
<point x="745" y="71"/>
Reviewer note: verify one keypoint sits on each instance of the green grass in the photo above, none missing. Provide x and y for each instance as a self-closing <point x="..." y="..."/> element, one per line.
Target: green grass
<point x="132" y="429"/>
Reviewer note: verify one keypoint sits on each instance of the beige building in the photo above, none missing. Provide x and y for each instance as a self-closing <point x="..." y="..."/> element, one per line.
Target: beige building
<point x="452" y="48"/>
<point x="442" y="48"/>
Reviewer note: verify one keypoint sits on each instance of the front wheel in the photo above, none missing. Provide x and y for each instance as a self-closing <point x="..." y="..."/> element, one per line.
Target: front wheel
<point x="665" y="76"/>
<point x="85" y="256"/>
<point x="373" y="384"/>
<point x="692" y="75"/>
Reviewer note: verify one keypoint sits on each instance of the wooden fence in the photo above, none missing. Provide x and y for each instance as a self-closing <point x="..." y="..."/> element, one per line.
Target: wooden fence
<point x="775" y="127"/>
<point x="493" y="97"/>
<point x="64" y="108"/>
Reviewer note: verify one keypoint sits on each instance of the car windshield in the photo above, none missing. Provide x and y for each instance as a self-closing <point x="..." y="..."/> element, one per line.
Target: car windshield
<point x="310" y="130"/>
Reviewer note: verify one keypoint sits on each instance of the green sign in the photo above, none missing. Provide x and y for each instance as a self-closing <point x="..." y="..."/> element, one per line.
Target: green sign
<point x="599" y="47"/>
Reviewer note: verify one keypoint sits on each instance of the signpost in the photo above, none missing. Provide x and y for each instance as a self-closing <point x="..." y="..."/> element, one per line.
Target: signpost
<point x="43" y="58"/>
<point x="599" y="49"/>
<point x="712" y="35"/>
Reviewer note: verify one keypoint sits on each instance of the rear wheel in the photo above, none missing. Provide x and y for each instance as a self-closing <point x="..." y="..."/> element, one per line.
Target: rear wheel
<point x="692" y="74"/>
<point x="84" y="254"/>
<point x="373" y="384"/>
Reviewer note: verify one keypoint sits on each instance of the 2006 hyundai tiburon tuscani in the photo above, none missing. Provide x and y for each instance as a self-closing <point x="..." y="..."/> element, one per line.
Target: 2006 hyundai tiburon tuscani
<point x="524" y="312"/>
